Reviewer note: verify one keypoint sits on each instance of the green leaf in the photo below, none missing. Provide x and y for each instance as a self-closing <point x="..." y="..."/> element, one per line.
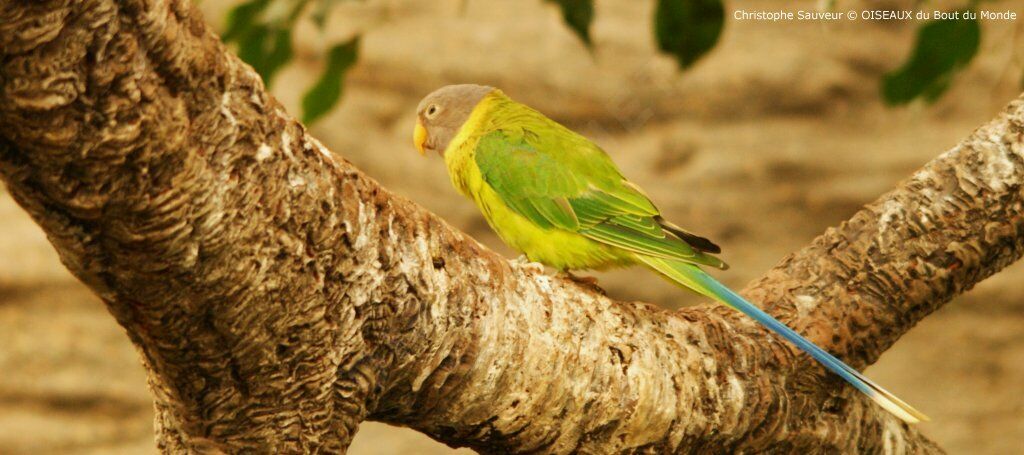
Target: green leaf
<point x="327" y="91"/>
<point x="943" y="47"/>
<point x="688" y="29"/>
<point x="577" y="14"/>
<point x="242" y="18"/>
<point x="266" y="48"/>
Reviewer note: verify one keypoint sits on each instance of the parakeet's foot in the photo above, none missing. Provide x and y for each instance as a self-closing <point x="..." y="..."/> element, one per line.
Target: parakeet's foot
<point x="586" y="281"/>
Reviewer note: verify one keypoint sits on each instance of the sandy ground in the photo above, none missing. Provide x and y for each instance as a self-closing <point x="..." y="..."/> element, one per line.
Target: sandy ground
<point x="776" y="135"/>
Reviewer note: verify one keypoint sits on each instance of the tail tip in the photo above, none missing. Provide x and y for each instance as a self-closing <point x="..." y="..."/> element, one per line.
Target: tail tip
<point x="903" y="411"/>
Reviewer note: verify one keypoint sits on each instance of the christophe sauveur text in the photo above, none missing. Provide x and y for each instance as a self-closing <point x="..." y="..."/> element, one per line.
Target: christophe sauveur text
<point x="875" y="15"/>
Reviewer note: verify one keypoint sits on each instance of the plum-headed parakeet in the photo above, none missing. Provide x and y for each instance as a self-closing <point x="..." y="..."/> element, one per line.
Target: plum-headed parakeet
<point x="559" y="199"/>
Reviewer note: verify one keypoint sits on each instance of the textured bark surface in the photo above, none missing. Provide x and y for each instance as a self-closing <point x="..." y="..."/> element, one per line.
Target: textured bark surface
<point x="279" y="297"/>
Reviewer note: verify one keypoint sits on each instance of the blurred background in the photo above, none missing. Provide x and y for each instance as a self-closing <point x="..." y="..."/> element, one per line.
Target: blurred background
<point x="778" y="132"/>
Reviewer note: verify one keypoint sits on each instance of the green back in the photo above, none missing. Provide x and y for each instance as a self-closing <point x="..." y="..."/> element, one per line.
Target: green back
<point x="558" y="179"/>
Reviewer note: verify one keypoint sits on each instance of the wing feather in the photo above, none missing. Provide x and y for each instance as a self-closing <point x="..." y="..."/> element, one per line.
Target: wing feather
<point x="571" y="184"/>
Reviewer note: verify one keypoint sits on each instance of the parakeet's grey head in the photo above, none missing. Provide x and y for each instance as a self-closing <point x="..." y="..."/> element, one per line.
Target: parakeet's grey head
<point x="441" y="113"/>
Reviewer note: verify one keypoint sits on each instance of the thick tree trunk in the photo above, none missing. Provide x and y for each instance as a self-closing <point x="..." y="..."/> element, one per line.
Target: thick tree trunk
<point x="279" y="297"/>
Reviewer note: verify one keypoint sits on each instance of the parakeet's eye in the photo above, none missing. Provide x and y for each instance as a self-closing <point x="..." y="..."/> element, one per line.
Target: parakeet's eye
<point x="433" y="110"/>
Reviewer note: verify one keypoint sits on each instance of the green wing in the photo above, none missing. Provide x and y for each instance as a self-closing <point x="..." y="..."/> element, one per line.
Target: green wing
<point x="558" y="179"/>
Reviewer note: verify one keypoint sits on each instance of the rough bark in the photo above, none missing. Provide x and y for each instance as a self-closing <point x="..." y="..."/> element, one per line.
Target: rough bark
<point x="279" y="297"/>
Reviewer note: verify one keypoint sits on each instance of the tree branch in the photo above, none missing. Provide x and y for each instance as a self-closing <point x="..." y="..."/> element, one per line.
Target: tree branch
<point x="279" y="296"/>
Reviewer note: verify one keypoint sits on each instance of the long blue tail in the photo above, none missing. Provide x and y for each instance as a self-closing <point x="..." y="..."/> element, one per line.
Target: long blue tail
<point x="694" y="278"/>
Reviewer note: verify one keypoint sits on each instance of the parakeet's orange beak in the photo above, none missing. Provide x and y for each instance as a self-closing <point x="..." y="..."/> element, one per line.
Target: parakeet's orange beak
<point x="419" y="137"/>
